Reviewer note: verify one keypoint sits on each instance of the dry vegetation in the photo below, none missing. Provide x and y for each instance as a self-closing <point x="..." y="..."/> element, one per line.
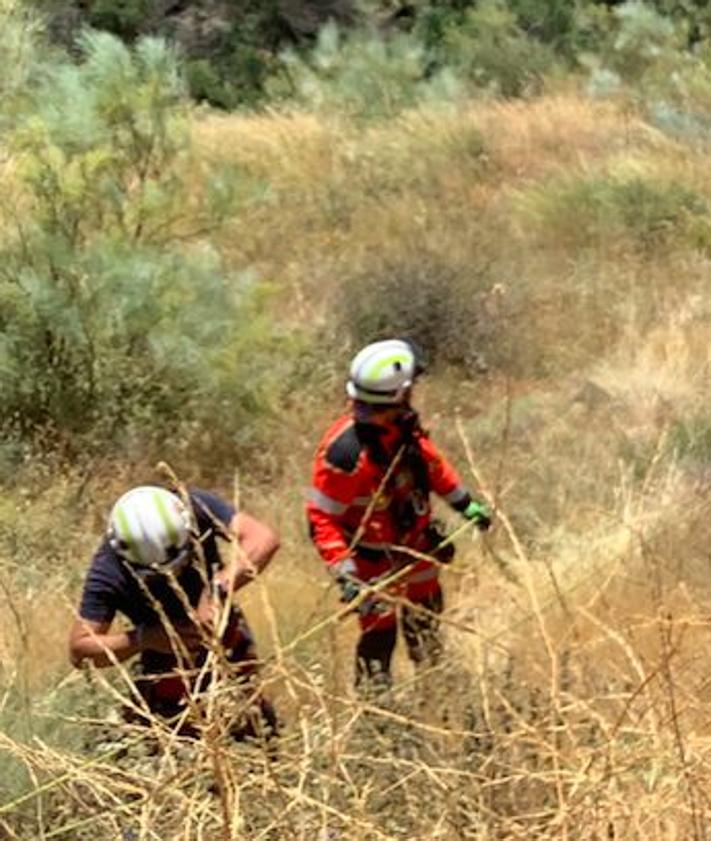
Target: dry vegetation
<point x="574" y="701"/>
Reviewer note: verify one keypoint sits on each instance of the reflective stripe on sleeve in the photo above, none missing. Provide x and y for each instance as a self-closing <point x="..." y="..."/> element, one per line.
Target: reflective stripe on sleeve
<point x="374" y="547"/>
<point x="326" y="503"/>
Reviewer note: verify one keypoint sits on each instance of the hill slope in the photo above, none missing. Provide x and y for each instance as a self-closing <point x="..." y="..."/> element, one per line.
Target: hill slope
<point x="553" y="258"/>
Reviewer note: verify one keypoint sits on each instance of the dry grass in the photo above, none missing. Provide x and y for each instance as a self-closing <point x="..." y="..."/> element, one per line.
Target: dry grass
<point x="573" y="701"/>
<point x="477" y="189"/>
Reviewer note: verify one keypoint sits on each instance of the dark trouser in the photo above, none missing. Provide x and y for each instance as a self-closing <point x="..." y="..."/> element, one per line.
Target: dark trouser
<point x="420" y="629"/>
<point x="262" y="723"/>
<point x="164" y="691"/>
<point x="259" y="721"/>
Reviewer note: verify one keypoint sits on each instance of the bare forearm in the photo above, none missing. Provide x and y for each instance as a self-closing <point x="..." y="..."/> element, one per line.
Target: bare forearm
<point x="257" y="545"/>
<point x="251" y="562"/>
<point x="98" y="648"/>
<point x="259" y="552"/>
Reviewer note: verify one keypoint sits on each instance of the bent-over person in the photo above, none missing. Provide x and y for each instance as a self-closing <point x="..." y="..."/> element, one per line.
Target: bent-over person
<point x="159" y="566"/>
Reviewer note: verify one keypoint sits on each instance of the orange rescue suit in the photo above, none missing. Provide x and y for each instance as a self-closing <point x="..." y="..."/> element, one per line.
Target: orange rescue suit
<point x="354" y="514"/>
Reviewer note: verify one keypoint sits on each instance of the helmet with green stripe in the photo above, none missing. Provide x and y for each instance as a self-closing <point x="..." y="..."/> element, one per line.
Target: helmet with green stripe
<point x="383" y="372"/>
<point x="149" y="527"/>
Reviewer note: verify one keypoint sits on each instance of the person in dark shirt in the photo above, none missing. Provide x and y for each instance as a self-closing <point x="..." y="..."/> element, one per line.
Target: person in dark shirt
<point x="160" y="567"/>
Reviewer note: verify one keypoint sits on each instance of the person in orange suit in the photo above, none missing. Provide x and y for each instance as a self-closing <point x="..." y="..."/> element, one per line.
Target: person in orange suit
<point x="369" y="503"/>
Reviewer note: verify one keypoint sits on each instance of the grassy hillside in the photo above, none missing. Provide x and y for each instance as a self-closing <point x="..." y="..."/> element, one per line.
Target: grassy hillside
<point x="553" y="256"/>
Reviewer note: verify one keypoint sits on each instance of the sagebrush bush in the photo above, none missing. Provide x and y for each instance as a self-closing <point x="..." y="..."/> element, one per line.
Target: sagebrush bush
<point x="98" y="149"/>
<point x="109" y="335"/>
<point x="642" y="41"/>
<point x="647" y="50"/>
<point x="488" y="49"/>
<point x="117" y="318"/>
<point x="363" y="74"/>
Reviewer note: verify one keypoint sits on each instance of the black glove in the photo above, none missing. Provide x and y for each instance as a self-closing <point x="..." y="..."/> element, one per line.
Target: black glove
<point x="479" y="513"/>
<point x="350" y="589"/>
<point x="346" y="579"/>
<point x="436" y="535"/>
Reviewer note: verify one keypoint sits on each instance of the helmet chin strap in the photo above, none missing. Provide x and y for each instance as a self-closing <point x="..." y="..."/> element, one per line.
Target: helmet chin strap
<point x="407" y="422"/>
<point x="402" y="426"/>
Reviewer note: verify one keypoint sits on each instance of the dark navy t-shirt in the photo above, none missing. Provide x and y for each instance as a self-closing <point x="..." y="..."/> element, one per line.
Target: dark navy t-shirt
<point x="110" y="587"/>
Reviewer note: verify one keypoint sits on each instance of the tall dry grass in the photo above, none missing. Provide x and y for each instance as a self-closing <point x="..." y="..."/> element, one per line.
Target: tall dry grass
<point x="573" y="701"/>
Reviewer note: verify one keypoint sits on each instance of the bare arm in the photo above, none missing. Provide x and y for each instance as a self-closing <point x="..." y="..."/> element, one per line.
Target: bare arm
<point x="257" y="545"/>
<point x="89" y="640"/>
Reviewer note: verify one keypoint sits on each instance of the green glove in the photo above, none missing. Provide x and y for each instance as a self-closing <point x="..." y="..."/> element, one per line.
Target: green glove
<point x="480" y="513"/>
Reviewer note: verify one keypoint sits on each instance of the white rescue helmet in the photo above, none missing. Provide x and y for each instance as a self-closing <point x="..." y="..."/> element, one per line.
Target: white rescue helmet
<point x="149" y="527"/>
<point x="383" y="372"/>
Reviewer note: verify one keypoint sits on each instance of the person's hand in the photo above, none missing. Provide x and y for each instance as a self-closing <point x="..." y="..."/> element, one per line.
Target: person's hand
<point x="207" y="611"/>
<point x="480" y="514"/>
<point x="345" y="575"/>
<point x="373" y="606"/>
<point x="156" y="638"/>
<point x="210" y="605"/>
<point x="351" y="588"/>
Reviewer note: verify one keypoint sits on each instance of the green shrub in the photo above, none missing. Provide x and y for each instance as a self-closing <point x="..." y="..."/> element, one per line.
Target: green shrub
<point x="99" y="149"/>
<point x="589" y="210"/>
<point x="362" y="74"/>
<point x="644" y="48"/>
<point x="690" y="441"/>
<point x="109" y="323"/>
<point x="112" y="335"/>
<point x="235" y="76"/>
<point x="490" y="50"/>
<point x="20" y="53"/>
<point x="695" y="15"/>
<point x="562" y="25"/>
<point x="120" y="17"/>
<point x="422" y="297"/>
<point x="554" y="22"/>
<point x="207" y="84"/>
<point x="642" y="39"/>
<point x="664" y="66"/>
